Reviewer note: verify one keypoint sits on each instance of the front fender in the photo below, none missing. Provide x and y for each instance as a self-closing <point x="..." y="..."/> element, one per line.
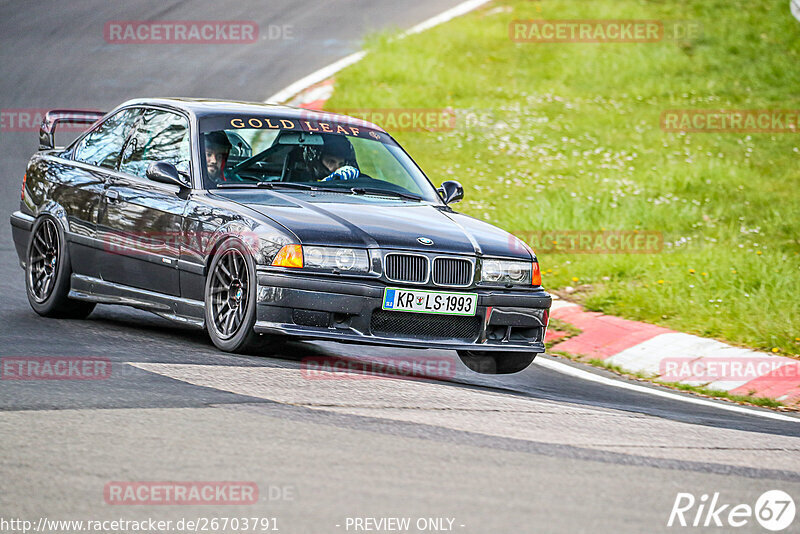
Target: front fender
<point x="261" y="240"/>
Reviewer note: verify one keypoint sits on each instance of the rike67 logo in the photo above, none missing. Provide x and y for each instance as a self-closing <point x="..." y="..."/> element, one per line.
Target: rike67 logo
<point x="774" y="510"/>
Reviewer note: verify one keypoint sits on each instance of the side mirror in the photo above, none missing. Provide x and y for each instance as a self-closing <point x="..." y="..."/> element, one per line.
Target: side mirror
<point x="451" y="191"/>
<point x="165" y="173"/>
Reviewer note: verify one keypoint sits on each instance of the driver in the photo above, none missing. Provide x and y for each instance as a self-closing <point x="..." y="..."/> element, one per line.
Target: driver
<point x="336" y="160"/>
<point x="217" y="149"/>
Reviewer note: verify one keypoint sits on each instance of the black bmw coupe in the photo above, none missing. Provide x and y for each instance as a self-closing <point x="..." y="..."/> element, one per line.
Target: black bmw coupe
<point x="254" y="221"/>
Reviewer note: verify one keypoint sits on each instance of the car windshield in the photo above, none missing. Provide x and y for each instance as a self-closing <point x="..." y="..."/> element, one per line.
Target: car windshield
<point x="295" y="154"/>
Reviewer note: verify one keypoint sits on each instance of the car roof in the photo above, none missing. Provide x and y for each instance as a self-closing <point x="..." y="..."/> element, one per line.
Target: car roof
<point x="203" y="107"/>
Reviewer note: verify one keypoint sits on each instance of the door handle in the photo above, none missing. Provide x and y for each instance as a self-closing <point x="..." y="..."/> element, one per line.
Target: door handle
<point x="112" y="196"/>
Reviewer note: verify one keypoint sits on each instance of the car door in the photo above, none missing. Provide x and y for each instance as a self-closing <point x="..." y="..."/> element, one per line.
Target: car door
<point x="94" y="159"/>
<point x="140" y="220"/>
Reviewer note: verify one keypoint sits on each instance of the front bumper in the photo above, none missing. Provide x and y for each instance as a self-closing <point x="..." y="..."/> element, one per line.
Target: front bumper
<point x="341" y="310"/>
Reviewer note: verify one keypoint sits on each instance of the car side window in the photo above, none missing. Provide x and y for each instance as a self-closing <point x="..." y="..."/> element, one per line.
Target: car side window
<point x="102" y="146"/>
<point x="160" y="136"/>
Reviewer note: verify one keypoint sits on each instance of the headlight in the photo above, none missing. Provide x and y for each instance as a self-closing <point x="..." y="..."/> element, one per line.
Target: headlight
<point x="506" y="272"/>
<point x="348" y="260"/>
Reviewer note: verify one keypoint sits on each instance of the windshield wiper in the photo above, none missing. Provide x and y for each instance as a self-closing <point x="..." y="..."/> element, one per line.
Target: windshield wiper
<point x="287" y="185"/>
<point x="237" y="185"/>
<point x="311" y="187"/>
<point x="384" y="192"/>
<point x="267" y="185"/>
<point x="302" y="187"/>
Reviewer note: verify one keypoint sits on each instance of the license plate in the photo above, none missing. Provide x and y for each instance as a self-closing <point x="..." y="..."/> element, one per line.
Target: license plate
<point x="412" y="300"/>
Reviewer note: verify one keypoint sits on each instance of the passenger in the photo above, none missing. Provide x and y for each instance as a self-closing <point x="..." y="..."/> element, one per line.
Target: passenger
<point x="336" y="160"/>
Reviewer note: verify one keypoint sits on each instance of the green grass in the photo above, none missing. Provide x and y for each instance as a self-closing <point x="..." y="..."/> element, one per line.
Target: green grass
<point x="567" y="137"/>
<point x="745" y="399"/>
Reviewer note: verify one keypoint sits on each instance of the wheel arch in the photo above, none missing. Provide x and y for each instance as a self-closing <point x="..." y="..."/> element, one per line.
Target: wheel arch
<point x="56" y="211"/>
<point x="220" y="240"/>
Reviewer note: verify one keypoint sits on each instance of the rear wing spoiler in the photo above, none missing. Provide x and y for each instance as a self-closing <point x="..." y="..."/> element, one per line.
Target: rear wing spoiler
<point x="67" y="116"/>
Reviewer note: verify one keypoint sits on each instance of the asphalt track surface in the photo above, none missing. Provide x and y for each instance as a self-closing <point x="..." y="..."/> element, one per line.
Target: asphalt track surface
<point x="539" y="451"/>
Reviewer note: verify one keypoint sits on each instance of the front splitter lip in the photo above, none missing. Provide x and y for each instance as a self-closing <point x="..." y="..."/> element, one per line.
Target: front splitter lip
<point x="351" y="336"/>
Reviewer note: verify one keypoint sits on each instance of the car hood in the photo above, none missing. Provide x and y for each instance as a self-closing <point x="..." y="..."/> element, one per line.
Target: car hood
<point x="368" y="221"/>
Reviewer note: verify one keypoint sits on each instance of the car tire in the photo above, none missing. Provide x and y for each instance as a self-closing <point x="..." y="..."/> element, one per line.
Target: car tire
<point x="496" y="363"/>
<point x="230" y="299"/>
<point x="47" y="273"/>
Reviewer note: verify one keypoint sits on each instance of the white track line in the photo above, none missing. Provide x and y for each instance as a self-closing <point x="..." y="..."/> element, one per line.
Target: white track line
<point x="315" y="77"/>
<point x="453" y="12"/>
<point x="592" y="377"/>
<point x="326" y="72"/>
